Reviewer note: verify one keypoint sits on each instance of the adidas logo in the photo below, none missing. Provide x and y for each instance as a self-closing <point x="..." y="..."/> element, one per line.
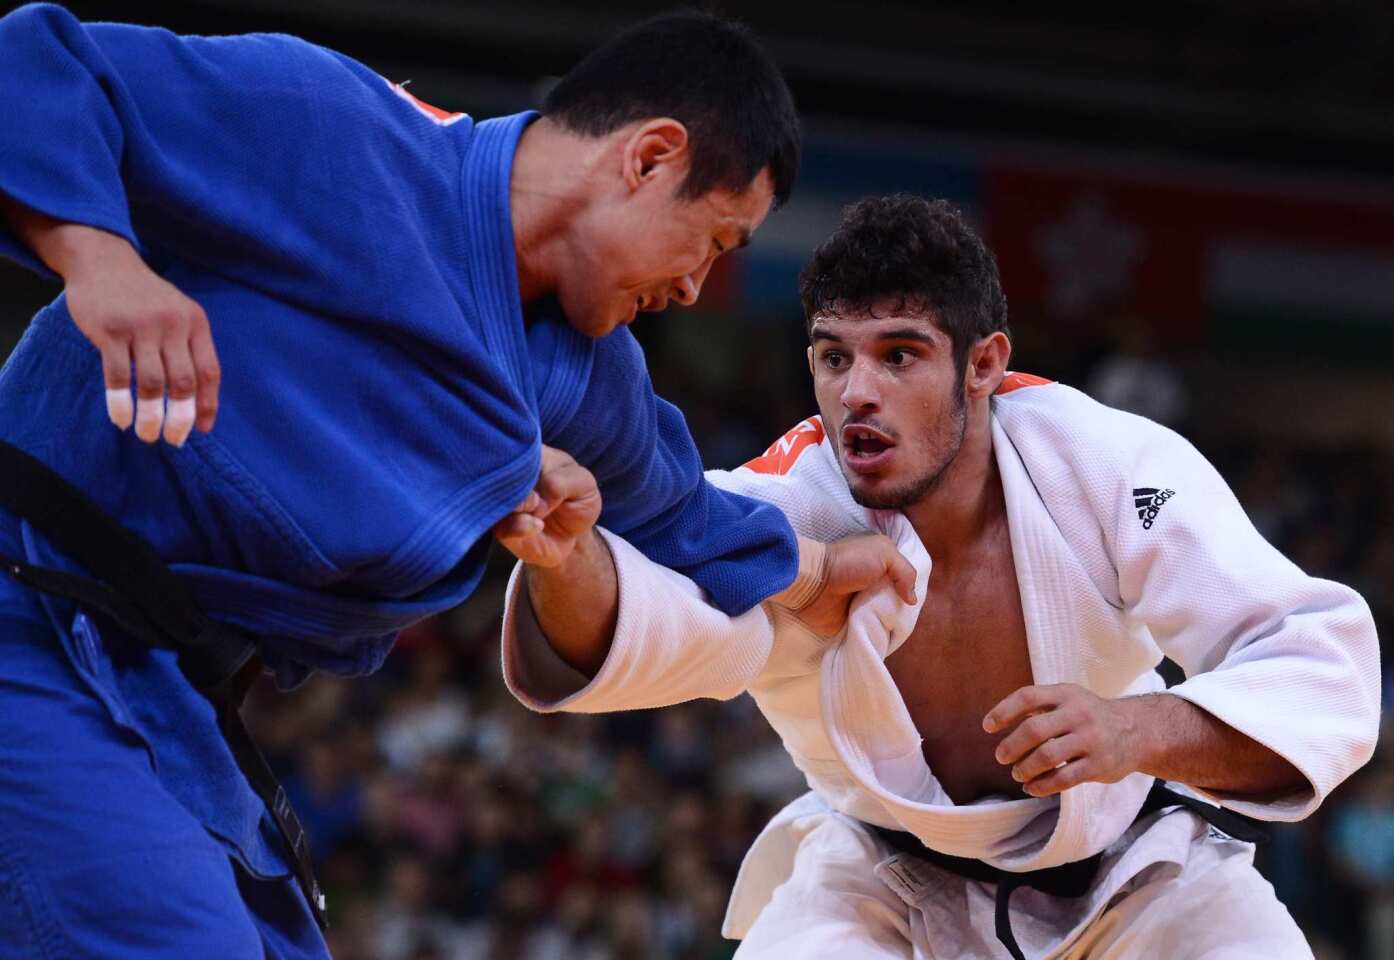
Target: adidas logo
<point x="1148" y="501"/>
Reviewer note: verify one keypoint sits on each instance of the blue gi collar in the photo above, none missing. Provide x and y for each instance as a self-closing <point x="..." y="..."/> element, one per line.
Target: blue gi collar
<point x="485" y="178"/>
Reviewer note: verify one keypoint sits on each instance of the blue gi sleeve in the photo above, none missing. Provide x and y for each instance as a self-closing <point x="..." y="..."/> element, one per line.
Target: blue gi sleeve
<point x="650" y="474"/>
<point x="263" y="157"/>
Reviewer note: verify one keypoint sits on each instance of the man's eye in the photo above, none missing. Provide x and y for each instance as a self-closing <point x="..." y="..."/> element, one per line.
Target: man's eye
<point x="833" y="361"/>
<point x="899" y="358"/>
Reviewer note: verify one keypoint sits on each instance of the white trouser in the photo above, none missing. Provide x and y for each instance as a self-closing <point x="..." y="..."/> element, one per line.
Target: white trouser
<point x="1171" y="887"/>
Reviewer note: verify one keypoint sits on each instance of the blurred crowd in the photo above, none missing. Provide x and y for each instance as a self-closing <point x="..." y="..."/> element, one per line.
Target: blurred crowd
<point x="449" y="823"/>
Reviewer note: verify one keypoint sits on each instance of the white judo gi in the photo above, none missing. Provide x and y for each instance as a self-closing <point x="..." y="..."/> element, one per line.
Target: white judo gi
<point x="1128" y="546"/>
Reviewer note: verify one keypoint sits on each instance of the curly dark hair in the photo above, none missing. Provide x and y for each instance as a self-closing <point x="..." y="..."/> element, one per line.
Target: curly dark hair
<point x="708" y="72"/>
<point x="921" y="250"/>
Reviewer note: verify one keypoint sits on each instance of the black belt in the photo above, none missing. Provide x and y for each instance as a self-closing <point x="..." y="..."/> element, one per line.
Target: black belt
<point x="132" y="587"/>
<point x="1068" y="879"/>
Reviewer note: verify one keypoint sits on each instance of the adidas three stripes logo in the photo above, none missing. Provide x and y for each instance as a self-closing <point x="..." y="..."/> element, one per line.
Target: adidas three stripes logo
<point x="1148" y="501"/>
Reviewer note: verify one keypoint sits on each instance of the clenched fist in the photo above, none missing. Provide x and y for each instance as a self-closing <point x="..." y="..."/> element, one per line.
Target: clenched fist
<point x="543" y="530"/>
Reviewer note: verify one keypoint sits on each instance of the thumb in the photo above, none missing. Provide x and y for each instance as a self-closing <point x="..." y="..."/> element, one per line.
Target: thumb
<point x="902" y="575"/>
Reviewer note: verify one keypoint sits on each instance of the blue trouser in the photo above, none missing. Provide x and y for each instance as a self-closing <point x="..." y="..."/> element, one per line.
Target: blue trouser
<point x="97" y="857"/>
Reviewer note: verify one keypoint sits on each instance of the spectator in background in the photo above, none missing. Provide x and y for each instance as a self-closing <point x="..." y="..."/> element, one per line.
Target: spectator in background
<point x="1362" y="845"/>
<point x="1137" y="378"/>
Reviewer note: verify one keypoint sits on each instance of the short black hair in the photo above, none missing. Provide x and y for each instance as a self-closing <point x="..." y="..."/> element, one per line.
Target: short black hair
<point x="921" y="250"/>
<point x="706" y="72"/>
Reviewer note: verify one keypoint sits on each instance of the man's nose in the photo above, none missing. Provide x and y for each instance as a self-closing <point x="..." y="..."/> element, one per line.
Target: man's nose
<point x="860" y="390"/>
<point x="687" y="288"/>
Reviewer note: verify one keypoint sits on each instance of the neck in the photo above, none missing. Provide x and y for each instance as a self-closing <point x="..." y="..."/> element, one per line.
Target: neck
<point x="968" y="499"/>
<point x="553" y="171"/>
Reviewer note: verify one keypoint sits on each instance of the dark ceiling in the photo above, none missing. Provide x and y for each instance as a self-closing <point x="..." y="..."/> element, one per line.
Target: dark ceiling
<point x="1279" y="83"/>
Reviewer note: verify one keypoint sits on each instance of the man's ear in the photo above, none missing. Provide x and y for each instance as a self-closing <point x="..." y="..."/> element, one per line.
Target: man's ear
<point x="987" y="365"/>
<point x="654" y="148"/>
<point x="810" y="358"/>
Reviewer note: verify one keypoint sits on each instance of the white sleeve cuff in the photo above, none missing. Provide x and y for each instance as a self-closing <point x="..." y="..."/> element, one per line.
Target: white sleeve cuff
<point x="669" y="645"/>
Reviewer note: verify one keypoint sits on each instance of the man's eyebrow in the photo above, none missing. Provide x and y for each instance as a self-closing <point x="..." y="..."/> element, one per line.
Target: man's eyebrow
<point x="907" y="333"/>
<point x="822" y="333"/>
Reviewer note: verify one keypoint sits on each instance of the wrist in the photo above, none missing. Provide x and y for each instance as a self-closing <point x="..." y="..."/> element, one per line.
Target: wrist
<point x="75" y="250"/>
<point x="812" y="574"/>
<point x="576" y="602"/>
<point x="583" y="554"/>
<point x="1142" y="726"/>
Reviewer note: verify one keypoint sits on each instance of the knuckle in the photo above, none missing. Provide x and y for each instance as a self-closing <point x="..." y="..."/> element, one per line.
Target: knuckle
<point x="142" y="327"/>
<point x="182" y="383"/>
<point x="173" y="323"/>
<point x="116" y="325"/>
<point x="209" y="371"/>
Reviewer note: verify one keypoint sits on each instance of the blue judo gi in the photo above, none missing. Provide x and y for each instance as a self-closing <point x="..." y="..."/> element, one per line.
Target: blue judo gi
<point x="383" y="405"/>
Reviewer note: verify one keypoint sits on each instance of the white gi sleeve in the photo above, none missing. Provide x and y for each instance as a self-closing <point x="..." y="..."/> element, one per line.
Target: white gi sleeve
<point x="669" y="645"/>
<point x="1287" y="659"/>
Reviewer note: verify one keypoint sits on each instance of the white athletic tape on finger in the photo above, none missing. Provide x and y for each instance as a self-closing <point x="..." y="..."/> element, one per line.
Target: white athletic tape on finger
<point x="149" y="415"/>
<point x="179" y="420"/>
<point x="120" y="408"/>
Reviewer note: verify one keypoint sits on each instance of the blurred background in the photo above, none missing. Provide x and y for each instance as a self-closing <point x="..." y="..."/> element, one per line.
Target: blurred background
<point x="1192" y="205"/>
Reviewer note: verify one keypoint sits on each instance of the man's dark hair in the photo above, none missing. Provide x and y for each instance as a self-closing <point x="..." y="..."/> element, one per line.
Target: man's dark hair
<point x="709" y="74"/>
<point x="922" y="251"/>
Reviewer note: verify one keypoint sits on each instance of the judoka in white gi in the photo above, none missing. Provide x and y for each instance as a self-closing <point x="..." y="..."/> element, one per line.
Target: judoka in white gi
<point x="1012" y="714"/>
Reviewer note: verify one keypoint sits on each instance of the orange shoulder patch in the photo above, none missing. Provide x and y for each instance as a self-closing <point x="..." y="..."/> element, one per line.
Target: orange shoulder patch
<point x="436" y="115"/>
<point x="780" y="457"/>
<point x="1015" y="381"/>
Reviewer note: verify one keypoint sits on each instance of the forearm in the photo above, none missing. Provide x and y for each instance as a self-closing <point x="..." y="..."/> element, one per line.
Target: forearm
<point x="66" y="248"/>
<point x="576" y="603"/>
<point x="667" y="645"/>
<point x="1179" y="741"/>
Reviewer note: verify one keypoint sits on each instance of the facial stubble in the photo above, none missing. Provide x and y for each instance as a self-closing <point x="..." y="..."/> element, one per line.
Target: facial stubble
<point x="948" y="439"/>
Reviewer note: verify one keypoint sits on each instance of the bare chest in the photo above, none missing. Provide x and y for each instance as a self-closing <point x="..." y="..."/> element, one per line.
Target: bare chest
<point x="968" y="651"/>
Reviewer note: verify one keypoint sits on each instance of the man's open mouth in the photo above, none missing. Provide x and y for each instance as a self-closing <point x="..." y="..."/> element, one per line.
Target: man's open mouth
<point x="864" y="447"/>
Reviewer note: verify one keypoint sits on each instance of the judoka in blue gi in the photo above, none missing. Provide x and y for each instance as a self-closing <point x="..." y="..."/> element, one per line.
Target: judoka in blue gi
<point x="389" y="309"/>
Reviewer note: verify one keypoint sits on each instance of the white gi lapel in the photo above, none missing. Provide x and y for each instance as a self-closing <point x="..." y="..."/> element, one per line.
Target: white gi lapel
<point x="1055" y="591"/>
<point x="1045" y="576"/>
<point x="869" y="727"/>
<point x="866" y="722"/>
